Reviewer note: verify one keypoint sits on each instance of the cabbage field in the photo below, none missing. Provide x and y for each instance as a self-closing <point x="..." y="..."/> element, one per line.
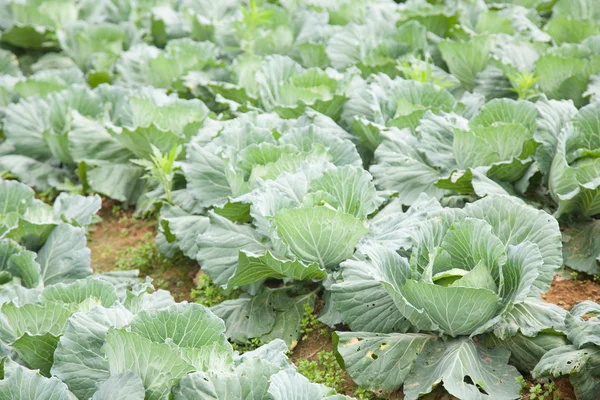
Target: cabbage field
<point x="299" y="199"/>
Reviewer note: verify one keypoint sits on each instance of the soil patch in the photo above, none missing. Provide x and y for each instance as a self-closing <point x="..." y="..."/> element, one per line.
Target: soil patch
<point x="120" y="239"/>
<point x="568" y="292"/>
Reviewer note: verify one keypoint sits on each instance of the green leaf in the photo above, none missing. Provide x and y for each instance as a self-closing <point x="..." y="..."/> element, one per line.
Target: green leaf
<point x="514" y="223"/>
<point x="206" y="176"/>
<point x="352" y="189"/>
<point x="378" y="361"/>
<point x="362" y="301"/>
<point x="35" y="331"/>
<point x="158" y="365"/>
<point x="466" y="59"/>
<point x="24" y="384"/>
<point x="578" y="363"/>
<point x="252" y="268"/>
<point x="581" y="246"/>
<point x="247" y="317"/>
<point x="182" y="228"/>
<point x="127" y="386"/>
<point x="466" y="369"/>
<point x="79" y="360"/>
<point x="290" y="385"/>
<point x="185" y="325"/>
<point x="220" y="246"/>
<point x="455" y="310"/>
<point x="553" y="116"/>
<point x="121" y="182"/>
<point x="525" y="351"/>
<point x="400" y="167"/>
<point x="80" y="290"/>
<point x="567" y="30"/>
<point x="64" y="257"/>
<point x="249" y="381"/>
<point x="470" y="243"/>
<point x="319" y="234"/>
<point x="531" y="317"/>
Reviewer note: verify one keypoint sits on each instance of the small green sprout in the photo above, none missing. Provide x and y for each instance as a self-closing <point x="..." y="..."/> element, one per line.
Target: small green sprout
<point x="160" y="168"/>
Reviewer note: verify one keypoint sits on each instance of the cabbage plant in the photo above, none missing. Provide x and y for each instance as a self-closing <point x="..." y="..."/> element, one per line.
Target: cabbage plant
<point x="41" y="245"/>
<point x="303" y="225"/>
<point x="491" y="153"/>
<point x="98" y="132"/>
<point x="228" y="159"/>
<point x="417" y="309"/>
<point x="84" y="340"/>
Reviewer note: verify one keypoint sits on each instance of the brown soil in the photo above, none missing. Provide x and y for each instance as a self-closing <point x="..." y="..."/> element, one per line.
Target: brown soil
<point x="564" y="388"/>
<point x="118" y="232"/>
<point x="115" y="233"/>
<point x="568" y="292"/>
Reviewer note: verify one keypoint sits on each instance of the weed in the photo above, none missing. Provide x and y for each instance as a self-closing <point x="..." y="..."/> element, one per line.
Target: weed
<point x="523" y="84"/>
<point x="253" y="344"/>
<point x="115" y="210"/>
<point x="209" y="294"/>
<point x="310" y="323"/>
<point x="145" y="258"/>
<point x="325" y="370"/>
<point x="253" y="20"/>
<point x="538" y="391"/>
<point x="160" y="168"/>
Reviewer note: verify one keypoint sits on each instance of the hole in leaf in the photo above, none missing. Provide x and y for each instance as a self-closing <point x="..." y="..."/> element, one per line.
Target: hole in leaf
<point x="479" y="385"/>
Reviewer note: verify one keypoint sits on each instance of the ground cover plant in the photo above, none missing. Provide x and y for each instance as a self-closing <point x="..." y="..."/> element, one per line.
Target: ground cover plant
<point x="391" y="195"/>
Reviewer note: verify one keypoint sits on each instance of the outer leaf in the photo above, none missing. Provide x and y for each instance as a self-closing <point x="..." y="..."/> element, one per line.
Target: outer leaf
<point x="552" y="117"/>
<point x="363" y="303"/>
<point x="379" y="361"/>
<point x="127" y="386"/>
<point x="255" y="268"/>
<point x="247" y="317"/>
<point x="465" y="60"/>
<point x="525" y="351"/>
<point x="220" y="246"/>
<point x="182" y="228"/>
<point x="452" y="362"/>
<point x="24" y="384"/>
<point x="290" y="385"/>
<point x="81" y="290"/>
<point x="35" y="329"/>
<point x="186" y="325"/>
<point x="248" y="381"/>
<point x="400" y="167"/>
<point x="531" y="317"/>
<point x="79" y="360"/>
<point x="579" y="363"/>
<point x="64" y="256"/>
<point x="581" y="246"/>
